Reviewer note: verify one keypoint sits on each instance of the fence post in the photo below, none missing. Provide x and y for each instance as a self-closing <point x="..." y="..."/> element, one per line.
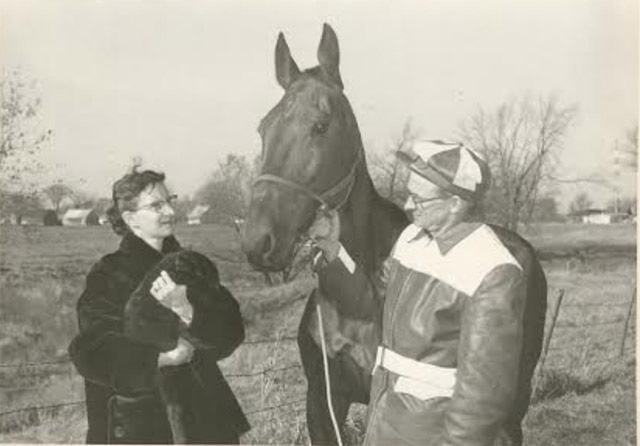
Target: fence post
<point x="626" y="322"/>
<point x="554" y="318"/>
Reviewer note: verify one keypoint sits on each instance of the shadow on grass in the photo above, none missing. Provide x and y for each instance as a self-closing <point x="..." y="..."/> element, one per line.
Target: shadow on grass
<point x="556" y="383"/>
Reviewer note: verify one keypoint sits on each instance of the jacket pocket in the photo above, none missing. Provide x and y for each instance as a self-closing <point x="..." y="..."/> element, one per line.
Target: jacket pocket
<point x="140" y="419"/>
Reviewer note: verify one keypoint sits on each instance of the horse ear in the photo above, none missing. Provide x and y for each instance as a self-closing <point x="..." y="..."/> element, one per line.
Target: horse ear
<point x="329" y="54"/>
<point x="286" y="69"/>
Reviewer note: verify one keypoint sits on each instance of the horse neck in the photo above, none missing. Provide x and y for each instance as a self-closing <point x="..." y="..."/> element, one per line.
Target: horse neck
<point x="359" y="222"/>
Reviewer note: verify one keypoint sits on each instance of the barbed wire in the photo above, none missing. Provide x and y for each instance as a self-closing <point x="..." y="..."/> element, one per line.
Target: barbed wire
<point x="573" y="366"/>
<point x="269" y="341"/>
<point x="67" y="360"/>
<point x="36" y="364"/>
<point x="23" y="388"/>
<point x="587" y="343"/>
<point x="624" y="304"/>
<point x="40" y="408"/>
<point x="588" y="324"/>
<point x="262" y="372"/>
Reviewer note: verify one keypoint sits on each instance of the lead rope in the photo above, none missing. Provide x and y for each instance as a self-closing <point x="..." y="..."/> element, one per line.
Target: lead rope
<point x="325" y="363"/>
<point x="327" y="381"/>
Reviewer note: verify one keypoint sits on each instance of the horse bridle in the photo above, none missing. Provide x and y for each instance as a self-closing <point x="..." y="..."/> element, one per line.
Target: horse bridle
<point x="323" y="198"/>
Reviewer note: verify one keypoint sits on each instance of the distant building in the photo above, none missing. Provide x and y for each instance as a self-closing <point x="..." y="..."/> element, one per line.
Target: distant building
<point x="601" y="217"/>
<point x="200" y="214"/>
<point x="80" y="217"/>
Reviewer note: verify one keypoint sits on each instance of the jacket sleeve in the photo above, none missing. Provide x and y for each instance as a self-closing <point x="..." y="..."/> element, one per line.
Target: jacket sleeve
<point x="101" y="352"/>
<point x="218" y="324"/>
<point x="356" y="293"/>
<point x="488" y="359"/>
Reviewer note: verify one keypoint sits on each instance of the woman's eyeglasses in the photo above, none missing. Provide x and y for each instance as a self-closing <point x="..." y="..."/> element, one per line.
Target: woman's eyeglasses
<point x="160" y="205"/>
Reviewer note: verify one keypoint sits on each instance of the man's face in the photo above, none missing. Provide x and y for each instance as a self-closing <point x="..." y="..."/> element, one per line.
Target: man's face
<point x="154" y="216"/>
<point x="428" y="206"/>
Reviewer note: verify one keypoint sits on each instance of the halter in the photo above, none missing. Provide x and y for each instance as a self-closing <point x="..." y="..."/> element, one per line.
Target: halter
<point x="345" y="183"/>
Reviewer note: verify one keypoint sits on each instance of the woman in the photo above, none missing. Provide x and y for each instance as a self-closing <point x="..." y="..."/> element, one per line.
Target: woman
<point x="124" y="404"/>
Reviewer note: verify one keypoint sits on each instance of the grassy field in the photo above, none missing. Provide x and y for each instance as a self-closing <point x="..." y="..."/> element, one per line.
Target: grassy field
<point x="585" y="394"/>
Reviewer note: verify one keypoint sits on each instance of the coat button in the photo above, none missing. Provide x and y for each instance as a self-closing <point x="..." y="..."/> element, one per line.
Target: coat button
<point x="119" y="432"/>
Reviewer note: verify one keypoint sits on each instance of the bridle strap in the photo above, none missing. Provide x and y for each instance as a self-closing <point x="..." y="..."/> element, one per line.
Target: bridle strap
<point x="290" y="184"/>
<point x="323" y="197"/>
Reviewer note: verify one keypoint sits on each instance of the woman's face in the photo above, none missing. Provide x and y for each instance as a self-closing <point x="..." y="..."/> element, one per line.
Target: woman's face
<point x="154" y="217"/>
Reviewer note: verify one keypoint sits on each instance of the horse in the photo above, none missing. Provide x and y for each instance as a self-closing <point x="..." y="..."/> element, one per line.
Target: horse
<point x="313" y="158"/>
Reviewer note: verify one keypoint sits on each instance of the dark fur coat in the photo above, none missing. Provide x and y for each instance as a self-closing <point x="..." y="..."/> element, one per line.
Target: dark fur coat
<point x="122" y="380"/>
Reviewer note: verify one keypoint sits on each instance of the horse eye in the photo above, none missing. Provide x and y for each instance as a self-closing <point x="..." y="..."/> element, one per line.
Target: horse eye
<point x="320" y="128"/>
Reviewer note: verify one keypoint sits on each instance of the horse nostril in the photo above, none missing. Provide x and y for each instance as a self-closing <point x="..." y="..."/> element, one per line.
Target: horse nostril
<point x="266" y="245"/>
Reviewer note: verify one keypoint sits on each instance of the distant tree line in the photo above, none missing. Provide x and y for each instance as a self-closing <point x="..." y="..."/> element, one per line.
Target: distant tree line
<point x="521" y="139"/>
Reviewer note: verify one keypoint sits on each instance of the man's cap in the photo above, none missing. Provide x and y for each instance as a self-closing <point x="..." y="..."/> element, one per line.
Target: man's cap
<point x="450" y="165"/>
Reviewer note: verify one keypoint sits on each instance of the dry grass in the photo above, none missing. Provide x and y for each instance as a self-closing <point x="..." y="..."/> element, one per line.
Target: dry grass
<point x="584" y="395"/>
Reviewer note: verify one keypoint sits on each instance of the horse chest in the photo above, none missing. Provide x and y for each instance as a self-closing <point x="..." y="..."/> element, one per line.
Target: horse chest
<point x="357" y="337"/>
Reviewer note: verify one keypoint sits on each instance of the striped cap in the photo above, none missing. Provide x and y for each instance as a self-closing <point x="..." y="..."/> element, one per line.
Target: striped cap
<point x="450" y="165"/>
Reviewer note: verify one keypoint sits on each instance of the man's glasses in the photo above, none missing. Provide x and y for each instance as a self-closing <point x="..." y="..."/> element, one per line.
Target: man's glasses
<point x="421" y="202"/>
<point x="160" y="205"/>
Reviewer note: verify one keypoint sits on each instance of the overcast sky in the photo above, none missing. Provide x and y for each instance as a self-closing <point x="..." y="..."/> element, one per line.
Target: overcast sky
<point x="183" y="83"/>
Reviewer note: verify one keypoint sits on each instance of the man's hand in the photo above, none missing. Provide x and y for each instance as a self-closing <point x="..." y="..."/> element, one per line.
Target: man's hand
<point x="172" y="296"/>
<point x="182" y="354"/>
<point x="325" y="233"/>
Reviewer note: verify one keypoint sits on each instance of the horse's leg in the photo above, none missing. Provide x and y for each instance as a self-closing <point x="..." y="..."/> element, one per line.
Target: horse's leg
<point x="318" y="416"/>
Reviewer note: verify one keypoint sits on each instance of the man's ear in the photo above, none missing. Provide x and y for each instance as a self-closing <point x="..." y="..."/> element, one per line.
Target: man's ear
<point x="457" y="205"/>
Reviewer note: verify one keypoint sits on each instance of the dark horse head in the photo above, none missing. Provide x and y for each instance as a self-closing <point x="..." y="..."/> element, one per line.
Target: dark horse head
<point x="311" y="148"/>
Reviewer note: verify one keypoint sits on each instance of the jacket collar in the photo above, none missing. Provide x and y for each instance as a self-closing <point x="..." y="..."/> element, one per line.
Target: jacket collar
<point x="145" y="254"/>
<point x="454" y="235"/>
<point x="450" y="238"/>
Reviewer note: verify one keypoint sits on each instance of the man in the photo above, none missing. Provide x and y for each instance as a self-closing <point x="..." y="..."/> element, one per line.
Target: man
<point x="457" y="355"/>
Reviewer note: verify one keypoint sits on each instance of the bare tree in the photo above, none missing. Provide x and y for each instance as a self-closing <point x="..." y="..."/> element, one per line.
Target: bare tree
<point x="57" y="193"/>
<point x="21" y="139"/>
<point x="580" y="203"/>
<point x="520" y="139"/>
<point x="629" y="149"/>
<point x="226" y="189"/>
<point x="21" y="136"/>
<point x="389" y="175"/>
<point x="546" y="210"/>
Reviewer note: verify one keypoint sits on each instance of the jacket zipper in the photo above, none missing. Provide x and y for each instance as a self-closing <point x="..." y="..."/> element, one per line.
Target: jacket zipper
<point x="385" y="378"/>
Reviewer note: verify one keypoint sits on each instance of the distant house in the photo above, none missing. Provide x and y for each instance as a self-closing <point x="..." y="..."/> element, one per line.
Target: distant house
<point x="596" y="217"/>
<point x="600" y="217"/>
<point x="80" y="217"/>
<point x="200" y="214"/>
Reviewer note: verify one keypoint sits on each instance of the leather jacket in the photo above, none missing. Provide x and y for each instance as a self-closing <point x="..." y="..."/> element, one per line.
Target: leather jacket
<point x="456" y="357"/>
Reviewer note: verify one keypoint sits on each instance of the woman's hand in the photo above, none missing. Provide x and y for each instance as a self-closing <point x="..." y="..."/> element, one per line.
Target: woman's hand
<point x="182" y="354"/>
<point x="172" y="296"/>
<point x="325" y="233"/>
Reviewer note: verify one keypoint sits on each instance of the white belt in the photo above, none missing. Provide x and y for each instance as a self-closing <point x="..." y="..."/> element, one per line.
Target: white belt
<point x="416" y="378"/>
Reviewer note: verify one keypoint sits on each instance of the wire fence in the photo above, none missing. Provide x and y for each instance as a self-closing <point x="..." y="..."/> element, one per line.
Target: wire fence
<point x="33" y="414"/>
<point x="558" y="354"/>
<point x="576" y="341"/>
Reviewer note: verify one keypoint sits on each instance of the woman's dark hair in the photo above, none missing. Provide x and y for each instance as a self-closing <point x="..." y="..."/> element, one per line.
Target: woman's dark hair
<point x="125" y="193"/>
